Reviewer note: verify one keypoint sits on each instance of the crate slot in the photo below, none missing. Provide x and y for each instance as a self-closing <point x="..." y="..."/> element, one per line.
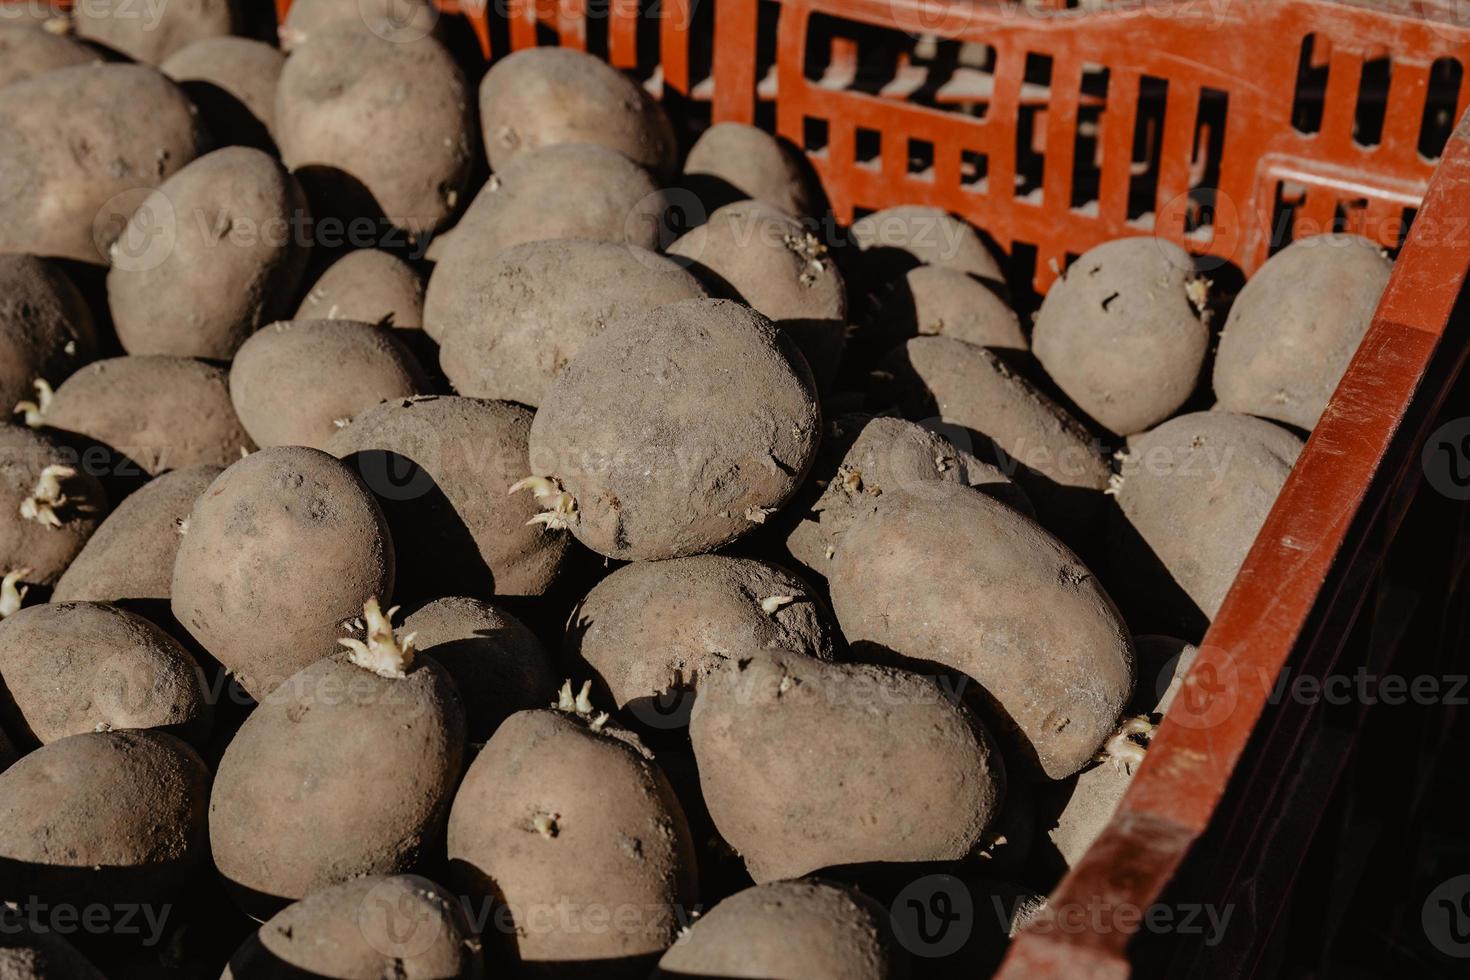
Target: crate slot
<point x="1031" y="131"/>
<point x="920" y="160"/>
<point x="867" y="148"/>
<point x="815" y="135"/>
<point x="1445" y="78"/>
<point x="1087" y="143"/>
<point x="1148" y="142"/>
<point x="1372" y="101"/>
<point x="974" y="172"/>
<point x="1311" y="82"/>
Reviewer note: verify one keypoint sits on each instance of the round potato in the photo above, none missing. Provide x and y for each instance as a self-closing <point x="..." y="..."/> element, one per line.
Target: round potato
<point x="369" y="286"/>
<point x="509" y="331"/>
<point x="111" y="817"/>
<point x="732" y="161"/>
<point x="548" y="96"/>
<point x="941" y="574"/>
<point x="223" y="261"/>
<point x="406" y="20"/>
<point x="74" y="667"/>
<point x="933" y="301"/>
<point x="790" y="930"/>
<point x="886" y="744"/>
<point x="26" y="52"/>
<point x="574" y="830"/>
<point x="156" y="411"/>
<point x="297" y="382"/>
<point x="365" y="929"/>
<point x="895" y="240"/>
<point x="233" y="82"/>
<point x="675" y="431"/>
<point x="49" y="505"/>
<point x="340" y="92"/>
<point x="150" y="34"/>
<point x="441" y="468"/>
<point x="282" y="549"/>
<point x="46" y="329"/>
<point x="1295" y="326"/>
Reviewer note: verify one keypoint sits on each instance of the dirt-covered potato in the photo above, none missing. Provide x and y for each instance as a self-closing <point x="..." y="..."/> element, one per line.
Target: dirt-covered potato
<point x="1163" y="661"/>
<point x="346" y="769"/>
<point x="897" y="239"/>
<point x="138" y="127"/>
<point x="547" y="96"/>
<point x="49" y="505"/>
<point x="934" y="301"/>
<point x="28" y="953"/>
<point x="74" y="667"/>
<point x="224" y="257"/>
<point x="26" y="51"/>
<point x="150" y="33"/>
<point x="233" y="82"/>
<point x="111" y="817"/>
<point x="648" y="632"/>
<point x="365" y="929"/>
<point x="441" y="469"/>
<point x="46" y="329"/>
<point x="1296" y="325"/>
<point x="889" y="769"/>
<point x="129" y="560"/>
<point x="751" y="252"/>
<point x="940" y="574"/>
<point x="158" y="411"/>
<point x="370" y="286"/>
<point x="403" y="19"/>
<point x="496" y="662"/>
<point x="675" y="431"/>
<point x="341" y="91"/>
<point x="576" y="833"/>
<point x="282" y="549"/>
<point x="732" y="161"/>
<point x="297" y="382"/>
<point x="508" y="332"/>
<point x="790" y="930"/>
<point x="1076" y="811"/>
<point x="1194" y="493"/>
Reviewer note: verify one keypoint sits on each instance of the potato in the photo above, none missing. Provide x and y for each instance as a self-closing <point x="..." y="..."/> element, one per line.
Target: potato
<point x="498" y="665"/>
<point x="1163" y="662"/>
<point x="791" y="930"/>
<point x="888" y="770"/>
<point x="370" y="286"/>
<point x="1194" y="493"/>
<point x="1296" y="325"/>
<point x="283" y="548"/>
<point x="340" y="91"/>
<point x="158" y="411"/>
<point x="151" y="33"/>
<point x="46" y="328"/>
<point x="139" y="128"/>
<point x="74" y="667"/>
<point x="895" y="240"/>
<point x="39" y="954"/>
<point x="284" y="396"/>
<point x="26" y="52"/>
<point x="365" y="929"/>
<point x="751" y="252"/>
<point x="933" y="301"/>
<point x="43" y="16"/>
<point x="573" y="831"/>
<point x="675" y="431"/>
<point x="732" y="161"/>
<point x="49" y="505"/>
<point x="571" y="191"/>
<point x="130" y="559"/>
<point x="548" y="96"/>
<point x="110" y="817"/>
<point x="1077" y="811"/>
<point x="340" y="772"/>
<point x="650" y="631"/>
<point x="224" y="257"/>
<point x="233" y="82"/>
<point x="940" y="574"/>
<point x="404" y="19"/>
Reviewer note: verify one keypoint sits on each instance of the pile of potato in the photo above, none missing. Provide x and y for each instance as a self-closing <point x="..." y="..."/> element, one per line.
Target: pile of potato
<point x="453" y="536"/>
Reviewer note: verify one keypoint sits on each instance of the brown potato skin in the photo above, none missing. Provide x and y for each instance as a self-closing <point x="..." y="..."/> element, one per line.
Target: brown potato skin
<point x="407" y="19"/>
<point x="159" y="411"/>
<point x="233" y="82"/>
<point x="922" y="773"/>
<point x="731" y="161"/>
<point x="41" y="315"/>
<point x="934" y="301"/>
<point x="337" y="773"/>
<point x="628" y="429"/>
<point x="46" y="551"/>
<point x="26" y="52"/>
<point x="546" y="96"/>
<point x="441" y="468"/>
<point x="621" y="847"/>
<point x="151" y="39"/>
<point x="1163" y="662"/>
<point x="284" y="546"/>
<point x="942" y="575"/>
<point x="293" y="381"/>
<point x="370" y="286"/>
<point x="511" y="329"/>
<point x="1076" y="811"/>
<point x="897" y="239"/>
<point x="141" y="128"/>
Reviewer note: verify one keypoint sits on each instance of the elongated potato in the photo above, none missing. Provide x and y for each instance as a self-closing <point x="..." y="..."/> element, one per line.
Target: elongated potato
<point x="577" y="835"/>
<point x="139" y="128"/>
<point x="26" y="51"/>
<point x="1296" y="325"/>
<point x="150" y="34"/>
<point x="283" y="548"/>
<point x="158" y="411"/>
<point x="370" y="286"/>
<point x="887" y="744"/>
<point x="49" y="505"/>
<point x="942" y="574"/>
<point x="1075" y="812"/>
<point x="897" y="239"/>
<point x="233" y="82"/>
<point x="732" y="161"/>
<point x="283" y="398"/>
<point x="934" y="301"/>
<point x="46" y="329"/>
<point x="641" y="466"/>
<point x="509" y="331"/>
<point x="548" y="96"/>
